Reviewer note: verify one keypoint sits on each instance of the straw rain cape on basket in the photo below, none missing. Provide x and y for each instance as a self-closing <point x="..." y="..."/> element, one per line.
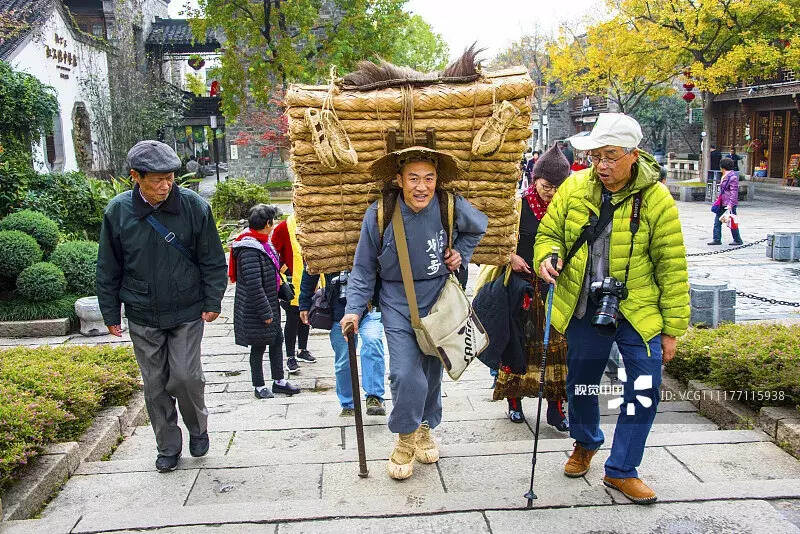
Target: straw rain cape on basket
<point x="383" y="107"/>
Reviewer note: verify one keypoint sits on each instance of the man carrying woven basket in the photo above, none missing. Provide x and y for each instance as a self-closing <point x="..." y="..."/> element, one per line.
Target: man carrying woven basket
<point x="412" y="178"/>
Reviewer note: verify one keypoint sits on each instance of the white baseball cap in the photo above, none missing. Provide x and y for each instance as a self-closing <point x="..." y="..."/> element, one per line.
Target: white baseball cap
<point x="611" y="129"/>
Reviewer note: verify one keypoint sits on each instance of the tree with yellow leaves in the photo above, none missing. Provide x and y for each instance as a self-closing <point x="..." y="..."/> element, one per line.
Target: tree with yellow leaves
<point x="717" y="43"/>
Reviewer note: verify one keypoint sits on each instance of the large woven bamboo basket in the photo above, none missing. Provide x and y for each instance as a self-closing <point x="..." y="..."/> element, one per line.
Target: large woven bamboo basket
<point x="330" y="201"/>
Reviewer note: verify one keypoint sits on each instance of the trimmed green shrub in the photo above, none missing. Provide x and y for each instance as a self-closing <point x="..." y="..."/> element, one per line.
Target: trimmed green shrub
<point x="69" y="200"/>
<point x="750" y="358"/>
<point x="37" y="225"/>
<point x="18" y="251"/>
<point x="52" y="393"/>
<point x="233" y="198"/>
<point x="78" y="261"/>
<point x="42" y="282"/>
<point x="21" y="309"/>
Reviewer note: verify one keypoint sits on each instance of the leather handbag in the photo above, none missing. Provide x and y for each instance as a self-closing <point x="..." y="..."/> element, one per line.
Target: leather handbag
<point x="451" y="331"/>
<point x="320" y="315"/>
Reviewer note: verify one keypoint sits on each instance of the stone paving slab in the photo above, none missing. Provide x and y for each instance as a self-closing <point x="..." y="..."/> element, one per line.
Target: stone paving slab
<point x="744" y="461"/>
<point x="725" y="516"/>
<point x="788" y="509"/>
<point x="659" y="469"/>
<point x="474" y="523"/>
<point x="256" y="484"/>
<point x="157" y="516"/>
<point x="337" y="455"/>
<point x="120" y="491"/>
<point x="286" y="442"/>
<point x="142" y="444"/>
<point x="342" y="479"/>
<point x="498" y="473"/>
<point x="447" y="433"/>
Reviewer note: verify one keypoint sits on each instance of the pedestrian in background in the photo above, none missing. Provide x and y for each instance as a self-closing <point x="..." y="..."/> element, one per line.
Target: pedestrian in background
<point x="284" y="239"/>
<point x="161" y="256"/>
<point x="255" y="268"/>
<point x="727" y="200"/>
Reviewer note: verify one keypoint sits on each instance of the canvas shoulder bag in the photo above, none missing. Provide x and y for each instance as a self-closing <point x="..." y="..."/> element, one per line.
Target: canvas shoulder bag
<point x="451" y="331"/>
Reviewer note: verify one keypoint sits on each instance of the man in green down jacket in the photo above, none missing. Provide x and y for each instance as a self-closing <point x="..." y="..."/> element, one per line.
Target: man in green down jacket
<point x="649" y="260"/>
<point x="161" y="256"/>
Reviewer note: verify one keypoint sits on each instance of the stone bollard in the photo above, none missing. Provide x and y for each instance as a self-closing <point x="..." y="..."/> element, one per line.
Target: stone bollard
<point x="784" y="246"/>
<point x="712" y="303"/>
<point x="88" y="311"/>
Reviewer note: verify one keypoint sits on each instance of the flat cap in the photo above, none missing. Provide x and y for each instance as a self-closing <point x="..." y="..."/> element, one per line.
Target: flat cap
<point x="153" y="156"/>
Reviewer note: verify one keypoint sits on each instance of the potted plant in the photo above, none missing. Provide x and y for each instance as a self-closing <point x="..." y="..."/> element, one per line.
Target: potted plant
<point x="196" y="62"/>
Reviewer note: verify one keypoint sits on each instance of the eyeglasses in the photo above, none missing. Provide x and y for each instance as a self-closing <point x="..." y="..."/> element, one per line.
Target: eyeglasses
<point x="547" y="187"/>
<point x="597" y="160"/>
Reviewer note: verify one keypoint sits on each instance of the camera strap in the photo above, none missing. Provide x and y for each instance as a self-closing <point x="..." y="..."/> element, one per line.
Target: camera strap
<point x="636" y="214"/>
<point x="591" y="232"/>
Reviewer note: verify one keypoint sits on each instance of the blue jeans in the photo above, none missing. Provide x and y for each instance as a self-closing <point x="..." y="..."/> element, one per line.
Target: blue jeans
<point x="718" y="227"/>
<point x="373" y="368"/>
<point x="587" y="355"/>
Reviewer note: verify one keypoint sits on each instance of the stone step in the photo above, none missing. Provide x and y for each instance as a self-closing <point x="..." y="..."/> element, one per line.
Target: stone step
<point x="255" y="450"/>
<point x="570" y="505"/>
<point x="318" y="427"/>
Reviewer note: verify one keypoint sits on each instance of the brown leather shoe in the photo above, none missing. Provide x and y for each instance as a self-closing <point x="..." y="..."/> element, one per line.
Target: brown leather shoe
<point x="632" y="488"/>
<point x="579" y="461"/>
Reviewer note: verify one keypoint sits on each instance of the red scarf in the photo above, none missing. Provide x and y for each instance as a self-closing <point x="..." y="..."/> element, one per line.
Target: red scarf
<point x="538" y="206"/>
<point x="264" y="240"/>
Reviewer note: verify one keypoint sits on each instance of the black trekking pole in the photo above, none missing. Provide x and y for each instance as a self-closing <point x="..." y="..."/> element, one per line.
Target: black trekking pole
<point x="349" y="333"/>
<point x="548" y="311"/>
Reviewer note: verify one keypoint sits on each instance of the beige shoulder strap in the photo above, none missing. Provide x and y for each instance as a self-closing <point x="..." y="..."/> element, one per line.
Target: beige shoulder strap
<point x="380" y="218"/>
<point x="405" y="264"/>
<point x="450" y="218"/>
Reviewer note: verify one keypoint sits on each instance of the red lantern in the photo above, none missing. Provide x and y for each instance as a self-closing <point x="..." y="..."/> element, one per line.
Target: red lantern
<point x="688" y="86"/>
<point x="688" y="97"/>
<point x="687" y="73"/>
<point x="214" y="88"/>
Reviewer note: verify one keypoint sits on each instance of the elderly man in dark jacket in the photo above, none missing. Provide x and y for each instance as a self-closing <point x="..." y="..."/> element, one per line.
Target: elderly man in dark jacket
<point x="161" y="256"/>
<point x="255" y="267"/>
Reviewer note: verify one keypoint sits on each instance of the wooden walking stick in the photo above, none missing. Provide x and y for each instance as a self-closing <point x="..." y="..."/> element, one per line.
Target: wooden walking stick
<point x="349" y="333"/>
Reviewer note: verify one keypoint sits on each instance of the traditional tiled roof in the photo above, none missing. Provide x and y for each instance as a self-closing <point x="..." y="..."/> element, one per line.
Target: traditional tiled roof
<point x="32" y="14"/>
<point x="29" y="13"/>
<point x="174" y="35"/>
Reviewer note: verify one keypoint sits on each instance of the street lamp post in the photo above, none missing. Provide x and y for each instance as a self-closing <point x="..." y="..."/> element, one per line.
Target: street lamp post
<point x="212" y="122"/>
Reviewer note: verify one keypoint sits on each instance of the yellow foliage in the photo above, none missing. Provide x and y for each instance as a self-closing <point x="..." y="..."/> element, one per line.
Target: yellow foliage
<point x="649" y="41"/>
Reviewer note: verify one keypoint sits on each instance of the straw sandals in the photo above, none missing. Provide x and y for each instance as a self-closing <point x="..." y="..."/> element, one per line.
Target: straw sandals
<point x="331" y="143"/>
<point x="490" y="137"/>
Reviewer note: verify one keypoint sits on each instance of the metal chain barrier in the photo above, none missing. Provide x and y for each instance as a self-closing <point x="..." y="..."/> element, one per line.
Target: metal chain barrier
<point x="723" y="251"/>
<point x="742" y="293"/>
<point x="768" y="300"/>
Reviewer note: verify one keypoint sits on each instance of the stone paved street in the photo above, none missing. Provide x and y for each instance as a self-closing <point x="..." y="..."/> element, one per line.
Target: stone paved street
<point x="289" y="464"/>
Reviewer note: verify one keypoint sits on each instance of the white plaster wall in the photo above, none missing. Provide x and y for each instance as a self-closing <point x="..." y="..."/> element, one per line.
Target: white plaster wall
<point x="31" y="57"/>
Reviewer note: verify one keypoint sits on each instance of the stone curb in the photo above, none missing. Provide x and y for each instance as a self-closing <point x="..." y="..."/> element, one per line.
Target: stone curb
<point x="781" y="424"/>
<point x="50" y="470"/>
<point x="40" y="328"/>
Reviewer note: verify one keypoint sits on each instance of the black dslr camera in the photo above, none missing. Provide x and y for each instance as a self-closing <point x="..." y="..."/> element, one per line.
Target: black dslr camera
<point x="607" y="294"/>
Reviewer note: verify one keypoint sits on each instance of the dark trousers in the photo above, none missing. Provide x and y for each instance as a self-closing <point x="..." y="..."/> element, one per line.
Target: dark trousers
<point x="294" y="330"/>
<point x="275" y="361"/>
<point x="718" y="226"/>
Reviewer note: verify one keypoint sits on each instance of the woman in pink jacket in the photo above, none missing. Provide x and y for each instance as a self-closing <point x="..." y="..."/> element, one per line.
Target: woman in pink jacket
<point x="727" y="201"/>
